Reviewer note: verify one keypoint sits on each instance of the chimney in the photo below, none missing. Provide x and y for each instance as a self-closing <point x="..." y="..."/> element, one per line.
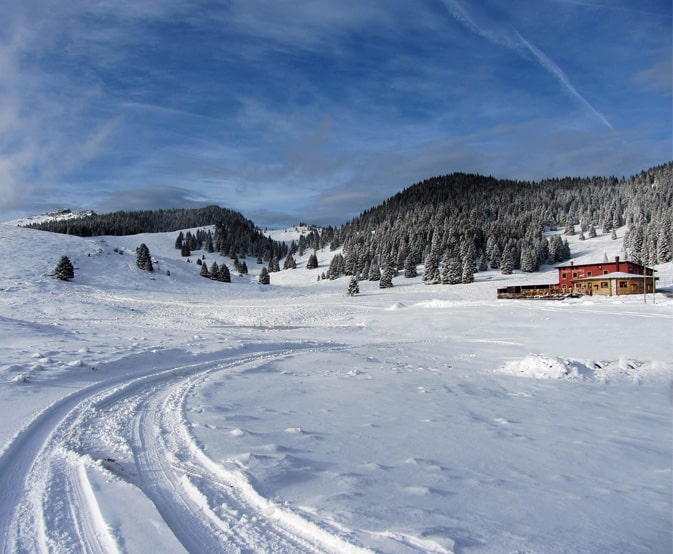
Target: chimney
<point x="617" y="262"/>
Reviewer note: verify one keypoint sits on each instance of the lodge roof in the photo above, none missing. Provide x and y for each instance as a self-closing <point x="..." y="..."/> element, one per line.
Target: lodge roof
<point x="574" y="266"/>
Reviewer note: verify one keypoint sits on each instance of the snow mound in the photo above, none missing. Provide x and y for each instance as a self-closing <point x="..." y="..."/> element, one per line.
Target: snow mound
<point x="538" y="367"/>
<point x="624" y="369"/>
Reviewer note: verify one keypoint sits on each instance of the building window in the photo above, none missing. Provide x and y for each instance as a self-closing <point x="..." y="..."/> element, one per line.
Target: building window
<point x="574" y="274"/>
<point x="589" y="273"/>
<point x="623" y="285"/>
<point x="605" y="272"/>
<point x="563" y="275"/>
<point x="604" y="284"/>
<point x="565" y="287"/>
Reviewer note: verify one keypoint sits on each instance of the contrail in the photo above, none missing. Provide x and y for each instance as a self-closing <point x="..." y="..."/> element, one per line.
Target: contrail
<point x="502" y="39"/>
<point x="555" y="70"/>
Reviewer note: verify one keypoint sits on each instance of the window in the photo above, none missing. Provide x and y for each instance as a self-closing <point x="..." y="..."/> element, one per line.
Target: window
<point x="623" y="285"/>
<point x="604" y="284"/>
<point x="574" y="274"/>
<point x="564" y="275"/>
<point x="565" y="287"/>
<point x="605" y="272"/>
<point x="589" y="273"/>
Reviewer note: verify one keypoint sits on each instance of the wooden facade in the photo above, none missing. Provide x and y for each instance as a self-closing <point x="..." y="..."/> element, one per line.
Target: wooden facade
<point x="615" y="284"/>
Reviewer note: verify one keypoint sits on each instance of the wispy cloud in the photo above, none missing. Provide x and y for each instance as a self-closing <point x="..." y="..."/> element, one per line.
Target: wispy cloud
<point x="512" y="39"/>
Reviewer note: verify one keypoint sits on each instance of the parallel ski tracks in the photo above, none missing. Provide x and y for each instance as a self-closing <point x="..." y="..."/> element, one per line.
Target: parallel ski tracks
<point x="48" y="504"/>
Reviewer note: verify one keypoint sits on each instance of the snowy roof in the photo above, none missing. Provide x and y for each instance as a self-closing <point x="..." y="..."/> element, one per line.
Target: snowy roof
<point x="574" y="265"/>
<point x="617" y="275"/>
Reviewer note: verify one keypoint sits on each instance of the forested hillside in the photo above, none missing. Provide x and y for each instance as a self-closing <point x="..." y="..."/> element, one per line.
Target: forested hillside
<point x="234" y="234"/>
<point x="462" y="223"/>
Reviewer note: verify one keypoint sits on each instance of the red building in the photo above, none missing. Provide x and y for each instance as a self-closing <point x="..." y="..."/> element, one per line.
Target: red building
<point x="606" y="278"/>
<point x="568" y="275"/>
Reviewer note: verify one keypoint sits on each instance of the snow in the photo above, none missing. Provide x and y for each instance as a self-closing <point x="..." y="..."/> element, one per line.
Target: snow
<point x="170" y="412"/>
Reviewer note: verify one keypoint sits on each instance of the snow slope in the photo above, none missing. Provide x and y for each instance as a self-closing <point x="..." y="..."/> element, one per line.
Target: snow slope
<point x="170" y="412"/>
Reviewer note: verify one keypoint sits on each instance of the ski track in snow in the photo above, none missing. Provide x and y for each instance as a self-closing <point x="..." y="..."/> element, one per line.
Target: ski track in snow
<point x="49" y="503"/>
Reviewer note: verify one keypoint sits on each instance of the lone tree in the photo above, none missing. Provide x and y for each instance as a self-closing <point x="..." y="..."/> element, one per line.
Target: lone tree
<point x="353" y="287"/>
<point x="264" y="278"/>
<point x="143" y="258"/>
<point x="64" y="269"/>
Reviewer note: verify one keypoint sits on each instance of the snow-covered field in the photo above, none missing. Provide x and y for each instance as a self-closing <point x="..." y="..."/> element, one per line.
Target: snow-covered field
<point x="168" y="413"/>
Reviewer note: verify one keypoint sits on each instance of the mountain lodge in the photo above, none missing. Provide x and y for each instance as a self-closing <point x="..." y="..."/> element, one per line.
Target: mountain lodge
<point x="614" y="278"/>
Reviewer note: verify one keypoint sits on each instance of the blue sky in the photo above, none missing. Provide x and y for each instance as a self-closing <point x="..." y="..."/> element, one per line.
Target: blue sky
<point x="315" y="110"/>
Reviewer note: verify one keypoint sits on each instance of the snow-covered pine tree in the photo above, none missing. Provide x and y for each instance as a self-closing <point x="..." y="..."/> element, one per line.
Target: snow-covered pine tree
<point x="224" y="275"/>
<point x="312" y="262"/>
<point x="143" y="258"/>
<point x="353" y="287"/>
<point x="264" y="277"/>
<point x="431" y="272"/>
<point x="289" y="262"/>
<point x="374" y="271"/>
<point x="467" y="275"/>
<point x="410" y="267"/>
<point x="506" y="262"/>
<point x="386" y="280"/>
<point x="451" y="270"/>
<point x="204" y="269"/>
<point x="214" y="270"/>
<point x="64" y="269"/>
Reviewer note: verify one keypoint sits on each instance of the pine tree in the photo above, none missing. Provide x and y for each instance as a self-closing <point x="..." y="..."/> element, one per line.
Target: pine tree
<point x="467" y="275"/>
<point x="451" y="270"/>
<point x="312" y="262"/>
<point x="289" y="262"/>
<point x="410" y="267"/>
<point x="386" y="280"/>
<point x="353" y="287"/>
<point x="506" y="263"/>
<point x="264" y="277"/>
<point x="374" y="272"/>
<point x="64" y="269"/>
<point x="224" y="275"/>
<point x="431" y="273"/>
<point x="274" y="265"/>
<point x="143" y="258"/>
<point x="592" y="232"/>
<point x="214" y="270"/>
<point x="204" y="269"/>
<point x="178" y="241"/>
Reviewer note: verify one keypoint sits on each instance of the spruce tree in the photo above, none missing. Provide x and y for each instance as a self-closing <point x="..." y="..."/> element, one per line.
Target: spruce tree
<point x="506" y="262"/>
<point x="143" y="258"/>
<point x="214" y="270"/>
<point x="204" y="270"/>
<point x="431" y="273"/>
<point x="410" y="267"/>
<point x="224" y="274"/>
<point x="467" y="275"/>
<point x="386" y="280"/>
<point x="312" y="262"/>
<point x="64" y="269"/>
<point x="353" y="287"/>
<point x="451" y="270"/>
<point x="264" y="277"/>
<point x="374" y="271"/>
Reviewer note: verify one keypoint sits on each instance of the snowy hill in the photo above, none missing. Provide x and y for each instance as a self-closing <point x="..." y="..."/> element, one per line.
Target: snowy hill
<point x="293" y="418"/>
